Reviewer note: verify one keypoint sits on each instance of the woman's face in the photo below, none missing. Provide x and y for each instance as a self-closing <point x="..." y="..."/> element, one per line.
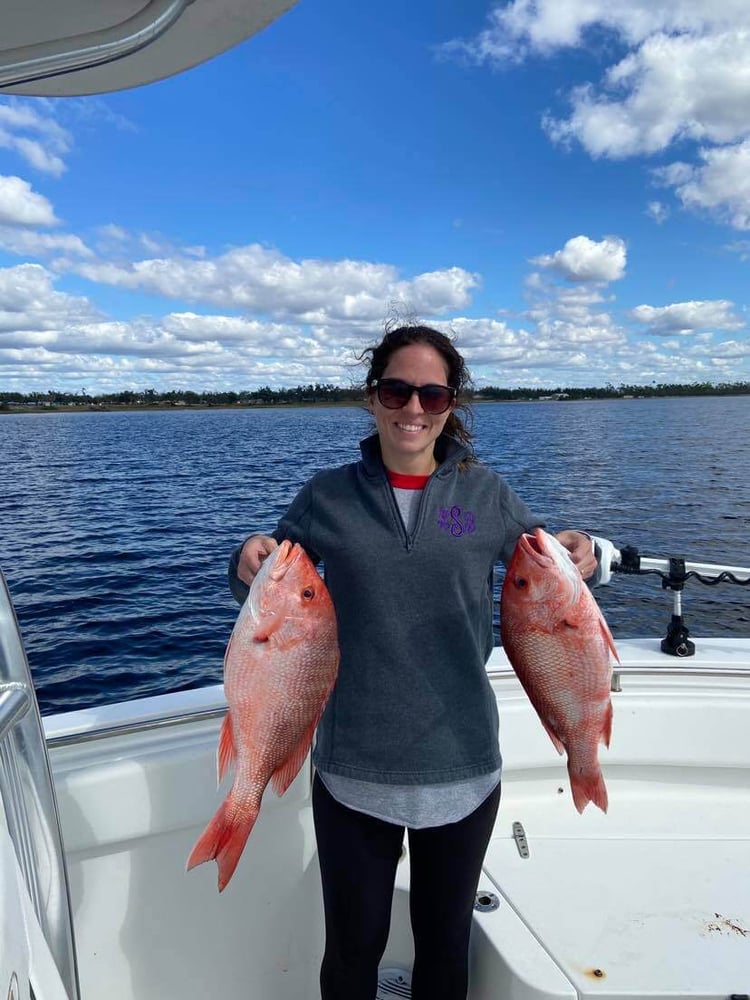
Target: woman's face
<point x="408" y="435"/>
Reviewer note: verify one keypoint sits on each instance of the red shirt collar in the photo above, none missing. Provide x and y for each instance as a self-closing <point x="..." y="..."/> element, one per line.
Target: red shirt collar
<point x="401" y="481"/>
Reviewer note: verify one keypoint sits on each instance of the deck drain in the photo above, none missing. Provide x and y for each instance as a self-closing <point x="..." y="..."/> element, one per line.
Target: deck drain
<point x="393" y="983"/>
<point x="485" y="901"/>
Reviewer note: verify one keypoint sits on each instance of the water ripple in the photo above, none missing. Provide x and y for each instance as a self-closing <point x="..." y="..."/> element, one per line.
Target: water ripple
<point x="115" y="529"/>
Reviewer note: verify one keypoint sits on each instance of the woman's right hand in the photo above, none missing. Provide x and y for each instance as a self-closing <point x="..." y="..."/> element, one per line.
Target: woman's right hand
<point x="254" y="551"/>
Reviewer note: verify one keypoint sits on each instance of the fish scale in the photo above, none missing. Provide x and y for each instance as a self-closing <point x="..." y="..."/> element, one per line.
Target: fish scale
<point x="560" y="646"/>
<point x="279" y="668"/>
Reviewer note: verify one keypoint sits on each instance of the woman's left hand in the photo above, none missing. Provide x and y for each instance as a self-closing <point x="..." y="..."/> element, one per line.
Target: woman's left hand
<point x="581" y="551"/>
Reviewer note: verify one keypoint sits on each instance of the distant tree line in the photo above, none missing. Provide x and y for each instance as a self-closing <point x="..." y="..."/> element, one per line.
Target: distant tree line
<point x="265" y="396"/>
<point x="610" y="391"/>
<point x="318" y="393"/>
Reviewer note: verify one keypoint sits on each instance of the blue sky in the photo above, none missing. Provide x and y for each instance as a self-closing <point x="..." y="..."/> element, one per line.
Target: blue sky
<point x="562" y="184"/>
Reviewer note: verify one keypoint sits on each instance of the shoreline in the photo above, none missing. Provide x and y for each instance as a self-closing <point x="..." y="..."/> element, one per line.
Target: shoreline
<point x="10" y="409"/>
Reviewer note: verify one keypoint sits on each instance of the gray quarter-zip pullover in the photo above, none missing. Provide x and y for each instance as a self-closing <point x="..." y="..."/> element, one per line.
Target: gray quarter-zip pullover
<point x="412" y="703"/>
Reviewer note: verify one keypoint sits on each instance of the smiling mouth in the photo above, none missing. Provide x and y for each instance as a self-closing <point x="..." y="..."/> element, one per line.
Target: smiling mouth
<point x="410" y="428"/>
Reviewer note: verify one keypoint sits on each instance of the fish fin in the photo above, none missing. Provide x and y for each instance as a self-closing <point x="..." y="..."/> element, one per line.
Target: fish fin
<point x="606" y="733"/>
<point x="223" y="840"/>
<point x="225" y="753"/>
<point x="559" y="745"/>
<point x="608" y="636"/>
<point x="588" y="786"/>
<point x="288" y="770"/>
<point x="267" y="627"/>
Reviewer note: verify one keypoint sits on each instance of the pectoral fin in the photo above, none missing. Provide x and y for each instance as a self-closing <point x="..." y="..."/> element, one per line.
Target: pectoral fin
<point x="559" y="746"/>
<point x="608" y="636"/>
<point x="286" y="772"/>
<point x="225" y="754"/>
<point x="267" y="627"/>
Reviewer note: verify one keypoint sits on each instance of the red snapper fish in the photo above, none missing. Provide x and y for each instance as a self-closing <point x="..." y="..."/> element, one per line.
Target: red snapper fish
<point x="559" y="645"/>
<point x="280" y="665"/>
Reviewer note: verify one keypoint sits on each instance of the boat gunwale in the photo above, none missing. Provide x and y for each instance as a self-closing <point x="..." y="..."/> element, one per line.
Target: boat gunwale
<point x="114" y="729"/>
<point x="207" y="704"/>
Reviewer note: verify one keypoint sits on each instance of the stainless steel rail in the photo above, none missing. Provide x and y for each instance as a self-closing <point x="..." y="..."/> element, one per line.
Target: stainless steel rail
<point x="184" y="717"/>
<point x="710" y="570"/>
<point x="15" y="701"/>
<point x="66" y="55"/>
<point x="618" y="672"/>
<point x="28" y="798"/>
<point x="181" y="718"/>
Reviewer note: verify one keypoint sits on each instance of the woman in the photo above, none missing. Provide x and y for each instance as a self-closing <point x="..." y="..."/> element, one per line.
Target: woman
<point x="409" y="536"/>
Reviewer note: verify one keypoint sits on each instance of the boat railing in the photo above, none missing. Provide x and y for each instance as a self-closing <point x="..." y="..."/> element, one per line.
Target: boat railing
<point x="175" y="711"/>
<point x="652" y="670"/>
<point x="180" y="717"/>
<point x="28" y="798"/>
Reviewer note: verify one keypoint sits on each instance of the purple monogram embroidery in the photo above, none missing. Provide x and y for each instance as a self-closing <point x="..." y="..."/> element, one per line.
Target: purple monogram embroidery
<point x="456" y="520"/>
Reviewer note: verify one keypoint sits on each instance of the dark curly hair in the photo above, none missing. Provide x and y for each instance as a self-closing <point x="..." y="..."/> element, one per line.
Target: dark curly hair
<point x="458" y="424"/>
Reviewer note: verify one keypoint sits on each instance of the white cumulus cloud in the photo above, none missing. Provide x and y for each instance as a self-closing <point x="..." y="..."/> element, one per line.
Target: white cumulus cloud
<point x="20" y="206"/>
<point x="36" y="136"/>
<point x="263" y="280"/>
<point x="584" y="259"/>
<point x="681" y="75"/>
<point x="719" y="184"/>
<point x="688" y="317"/>
<point x="672" y="88"/>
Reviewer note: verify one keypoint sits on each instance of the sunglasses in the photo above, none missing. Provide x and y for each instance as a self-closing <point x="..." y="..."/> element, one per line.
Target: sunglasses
<point x="393" y="394"/>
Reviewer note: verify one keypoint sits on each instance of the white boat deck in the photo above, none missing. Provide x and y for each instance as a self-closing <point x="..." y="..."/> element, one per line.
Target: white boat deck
<point x="629" y="917"/>
<point x="651" y="900"/>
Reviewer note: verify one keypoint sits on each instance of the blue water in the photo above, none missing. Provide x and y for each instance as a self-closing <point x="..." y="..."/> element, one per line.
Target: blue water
<point x="115" y="528"/>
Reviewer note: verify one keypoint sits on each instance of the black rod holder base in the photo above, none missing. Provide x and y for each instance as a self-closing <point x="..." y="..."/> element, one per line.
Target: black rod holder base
<point x="676" y="642"/>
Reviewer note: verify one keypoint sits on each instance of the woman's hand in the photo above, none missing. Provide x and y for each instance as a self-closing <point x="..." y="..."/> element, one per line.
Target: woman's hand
<point x="254" y="551"/>
<point x="581" y="549"/>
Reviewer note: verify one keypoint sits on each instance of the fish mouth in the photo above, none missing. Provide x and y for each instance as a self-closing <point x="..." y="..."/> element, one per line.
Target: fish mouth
<point x="533" y="546"/>
<point x="273" y="568"/>
<point x="549" y="554"/>
<point x="284" y="556"/>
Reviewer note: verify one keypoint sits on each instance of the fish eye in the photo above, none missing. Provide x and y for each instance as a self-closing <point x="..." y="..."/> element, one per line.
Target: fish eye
<point x="308" y="593"/>
<point x="521" y="582"/>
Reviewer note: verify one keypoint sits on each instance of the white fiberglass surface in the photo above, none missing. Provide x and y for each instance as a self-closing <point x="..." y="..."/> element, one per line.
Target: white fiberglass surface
<point x="653" y="898"/>
<point x="131" y="808"/>
<point x="637" y="919"/>
<point x="132" y="805"/>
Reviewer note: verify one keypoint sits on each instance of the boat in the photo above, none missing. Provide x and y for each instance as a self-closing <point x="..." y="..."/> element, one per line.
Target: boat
<point x="652" y="900"/>
<point x="100" y="807"/>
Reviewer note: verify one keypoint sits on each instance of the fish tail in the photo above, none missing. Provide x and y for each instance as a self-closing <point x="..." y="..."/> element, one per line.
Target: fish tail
<point x="588" y="786"/>
<point x="223" y="840"/>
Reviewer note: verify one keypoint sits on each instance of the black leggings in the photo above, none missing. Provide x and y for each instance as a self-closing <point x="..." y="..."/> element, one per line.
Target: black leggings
<point x="358" y="856"/>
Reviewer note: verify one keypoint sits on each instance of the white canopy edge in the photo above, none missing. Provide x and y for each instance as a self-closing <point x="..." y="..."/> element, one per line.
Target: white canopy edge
<point x="81" y="47"/>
